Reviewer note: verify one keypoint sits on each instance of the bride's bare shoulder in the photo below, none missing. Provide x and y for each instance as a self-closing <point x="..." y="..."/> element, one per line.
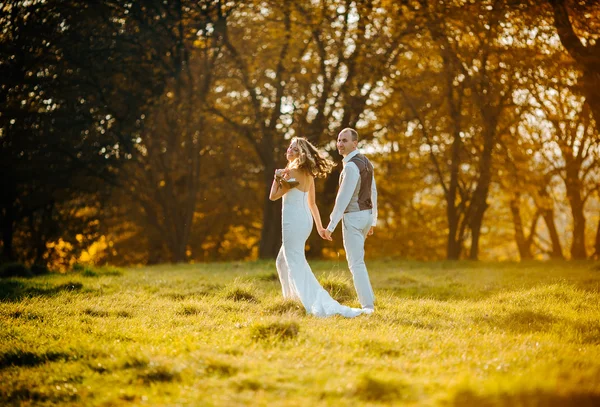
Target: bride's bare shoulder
<point x="297" y="173"/>
<point x="304" y="179"/>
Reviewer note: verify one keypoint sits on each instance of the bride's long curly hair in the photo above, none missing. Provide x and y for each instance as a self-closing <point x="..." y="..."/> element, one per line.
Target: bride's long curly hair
<point x="310" y="159"/>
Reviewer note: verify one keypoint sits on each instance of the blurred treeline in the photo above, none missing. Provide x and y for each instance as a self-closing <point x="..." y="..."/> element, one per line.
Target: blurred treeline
<point x="148" y="131"/>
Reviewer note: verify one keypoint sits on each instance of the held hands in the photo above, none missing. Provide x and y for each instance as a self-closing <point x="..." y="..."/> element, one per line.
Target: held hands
<point x="325" y="234"/>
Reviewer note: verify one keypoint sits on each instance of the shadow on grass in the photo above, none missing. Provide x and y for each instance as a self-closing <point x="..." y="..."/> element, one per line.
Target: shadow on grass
<point x="379" y="349"/>
<point x="206" y="290"/>
<point x="286" y="307"/>
<point x="587" y="333"/>
<point x="158" y="373"/>
<point x="29" y="396"/>
<point x="241" y="294"/>
<point x="270" y="276"/>
<point x="14" y="290"/>
<point x="275" y="331"/>
<point x="99" y="313"/>
<point x="189" y="310"/>
<point x="450" y="291"/>
<point x="529" y="398"/>
<point x="88" y="271"/>
<point x="524" y="321"/>
<point x="27" y="315"/>
<point x="252" y="384"/>
<point x="8" y="270"/>
<point x="371" y="388"/>
<point x="219" y="368"/>
<point x="339" y="289"/>
<point x="151" y="372"/>
<point x="416" y="322"/>
<point x="20" y="358"/>
<point x="136" y="362"/>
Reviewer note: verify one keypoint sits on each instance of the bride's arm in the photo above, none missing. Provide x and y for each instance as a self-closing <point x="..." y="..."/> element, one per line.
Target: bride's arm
<point x="277" y="190"/>
<point x="314" y="209"/>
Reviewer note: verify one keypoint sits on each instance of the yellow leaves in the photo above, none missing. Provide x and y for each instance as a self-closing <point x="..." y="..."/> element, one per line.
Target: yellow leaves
<point x="94" y="251"/>
<point x="199" y="43"/>
<point x="63" y="252"/>
<point x="59" y="245"/>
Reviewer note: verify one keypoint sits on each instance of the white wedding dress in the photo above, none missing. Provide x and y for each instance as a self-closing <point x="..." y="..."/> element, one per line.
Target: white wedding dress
<point x="297" y="279"/>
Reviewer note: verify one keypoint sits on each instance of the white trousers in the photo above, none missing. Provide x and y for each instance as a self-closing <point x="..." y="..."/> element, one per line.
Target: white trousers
<point x="355" y="226"/>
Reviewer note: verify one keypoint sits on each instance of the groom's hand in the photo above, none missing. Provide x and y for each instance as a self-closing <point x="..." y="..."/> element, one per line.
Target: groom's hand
<point x="371" y="231"/>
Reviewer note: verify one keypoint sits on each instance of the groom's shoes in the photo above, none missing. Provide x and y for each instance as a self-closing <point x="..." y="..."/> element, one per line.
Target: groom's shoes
<point x="368" y="310"/>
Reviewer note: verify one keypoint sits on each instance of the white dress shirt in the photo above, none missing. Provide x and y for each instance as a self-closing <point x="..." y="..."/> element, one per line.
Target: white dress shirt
<point x="349" y="187"/>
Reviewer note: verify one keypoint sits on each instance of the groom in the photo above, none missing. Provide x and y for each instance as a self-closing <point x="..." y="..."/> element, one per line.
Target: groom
<point x="356" y="206"/>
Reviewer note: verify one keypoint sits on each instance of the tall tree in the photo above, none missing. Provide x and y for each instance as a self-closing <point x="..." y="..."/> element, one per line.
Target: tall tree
<point x="75" y="81"/>
<point x="165" y="178"/>
<point x="578" y="24"/>
<point x="318" y="73"/>
<point x="574" y="141"/>
<point x="462" y="113"/>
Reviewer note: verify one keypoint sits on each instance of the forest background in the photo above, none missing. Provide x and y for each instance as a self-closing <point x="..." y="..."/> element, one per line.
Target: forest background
<point x="148" y="132"/>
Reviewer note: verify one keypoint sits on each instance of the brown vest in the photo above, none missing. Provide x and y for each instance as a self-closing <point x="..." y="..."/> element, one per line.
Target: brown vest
<point x="366" y="181"/>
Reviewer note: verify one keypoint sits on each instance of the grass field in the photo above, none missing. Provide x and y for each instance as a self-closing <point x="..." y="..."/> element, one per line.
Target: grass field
<point x="447" y="333"/>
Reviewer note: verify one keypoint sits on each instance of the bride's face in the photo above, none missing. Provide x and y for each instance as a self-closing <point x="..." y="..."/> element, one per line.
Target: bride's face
<point x="292" y="152"/>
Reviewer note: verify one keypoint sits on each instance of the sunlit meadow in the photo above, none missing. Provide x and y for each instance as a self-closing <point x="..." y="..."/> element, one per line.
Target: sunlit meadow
<point x="447" y="333"/>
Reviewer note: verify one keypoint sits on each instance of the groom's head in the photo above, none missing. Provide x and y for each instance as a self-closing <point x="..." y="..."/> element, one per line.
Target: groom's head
<point x="347" y="141"/>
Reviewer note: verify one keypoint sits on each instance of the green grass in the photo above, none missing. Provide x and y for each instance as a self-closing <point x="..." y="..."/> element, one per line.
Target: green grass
<point x="446" y="333"/>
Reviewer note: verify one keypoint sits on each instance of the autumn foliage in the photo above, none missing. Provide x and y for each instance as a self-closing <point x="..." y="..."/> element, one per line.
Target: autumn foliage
<point x="148" y="132"/>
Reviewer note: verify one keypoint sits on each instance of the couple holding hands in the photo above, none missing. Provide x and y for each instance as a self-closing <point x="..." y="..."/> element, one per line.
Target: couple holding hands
<point x="355" y="206"/>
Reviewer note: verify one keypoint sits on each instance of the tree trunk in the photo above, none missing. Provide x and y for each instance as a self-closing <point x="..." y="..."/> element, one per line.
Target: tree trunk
<point x="38" y="225"/>
<point x="597" y="243"/>
<point x="178" y="251"/>
<point x="481" y="192"/>
<point x="177" y="227"/>
<point x="270" y="237"/>
<point x="8" y="219"/>
<point x="548" y="215"/>
<point x="573" y="187"/>
<point x="523" y="244"/>
<point x="176" y="241"/>
<point x="476" y="233"/>
<point x="578" y="250"/>
<point x="454" y="249"/>
<point x="454" y="243"/>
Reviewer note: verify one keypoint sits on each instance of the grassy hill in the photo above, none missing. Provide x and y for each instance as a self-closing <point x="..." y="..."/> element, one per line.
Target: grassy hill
<point x="446" y="333"/>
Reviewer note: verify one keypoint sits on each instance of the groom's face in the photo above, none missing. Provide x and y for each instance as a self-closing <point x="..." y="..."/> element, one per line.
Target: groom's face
<point x="345" y="143"/>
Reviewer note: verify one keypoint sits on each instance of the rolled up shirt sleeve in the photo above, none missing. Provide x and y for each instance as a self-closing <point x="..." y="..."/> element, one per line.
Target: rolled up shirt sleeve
<point x="350" y="178"/>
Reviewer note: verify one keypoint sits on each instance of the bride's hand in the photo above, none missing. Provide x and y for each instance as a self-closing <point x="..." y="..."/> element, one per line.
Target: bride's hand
<point x="279" y="173"/>
<point x="322" y="231"/>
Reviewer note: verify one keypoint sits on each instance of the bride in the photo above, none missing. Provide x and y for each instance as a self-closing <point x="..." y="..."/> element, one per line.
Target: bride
<point x="295" y="183"/>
